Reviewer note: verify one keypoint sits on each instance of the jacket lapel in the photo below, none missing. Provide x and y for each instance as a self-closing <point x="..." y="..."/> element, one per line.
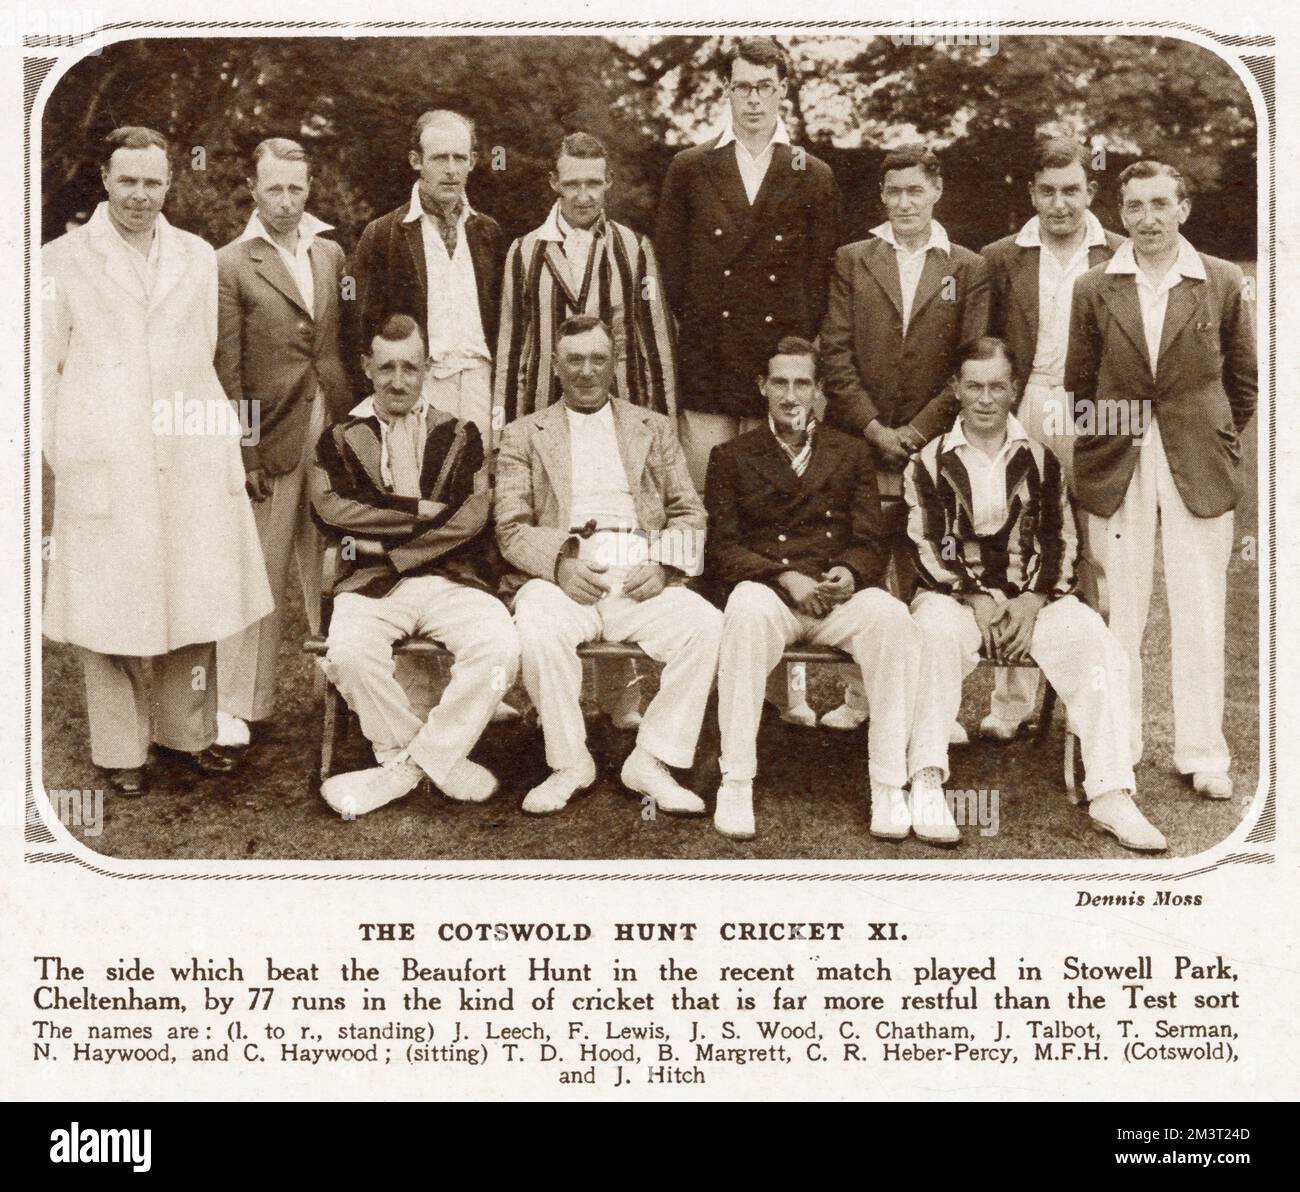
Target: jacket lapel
<point x="266" y="260"/>
<point x="559" y="267"/>
<point x="1024" y="286"/>
<point x="1120" y="295"/>
<point x="116" y="268"/>
<point x="773" y="464"/>
<point x="634" y="439"/>
<point x="878" y="259"/>
<point x="825" y="457"/>
<point x="724" y="174"/>
<point x="937" y="266"/>
<point x="173" y="265"/>
<point x="776" y="183"/>
<point x="1184" y="298"/>
<point x="415" y="248"/>
<point x="552" y="440"/>
<point x="321" y="280"/>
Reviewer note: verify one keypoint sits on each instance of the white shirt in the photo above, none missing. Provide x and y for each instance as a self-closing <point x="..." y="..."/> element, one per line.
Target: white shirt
<point x="1055" y="291"/>
<point x="988" y="475"/>
<point x="753" y="167"/>
<point x="1153" y="297"/>
<point x="576" y="243"/>
<point x="601" y="492"/>
<point x="911" y="264"/>
<point x="453" y="323"/>
<point x="366" y="408"/>
<point x="297" y="262"/>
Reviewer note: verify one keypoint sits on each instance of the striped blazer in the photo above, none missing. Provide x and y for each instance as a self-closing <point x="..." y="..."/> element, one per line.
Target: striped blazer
<point x="389" y="538"/>
<point x="621" y="286"/>
<point x="1034" y="550"/>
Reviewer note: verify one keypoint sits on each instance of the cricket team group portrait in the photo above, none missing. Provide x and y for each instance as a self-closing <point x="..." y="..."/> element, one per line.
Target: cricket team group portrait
<point x="675" y="448"/>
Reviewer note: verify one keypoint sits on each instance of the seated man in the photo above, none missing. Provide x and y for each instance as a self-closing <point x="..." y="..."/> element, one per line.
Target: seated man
<point x="794" y="534"/>
<point x="596" y="512"/>
<point x="990" y="521"/>
<point x="403" y="488"/>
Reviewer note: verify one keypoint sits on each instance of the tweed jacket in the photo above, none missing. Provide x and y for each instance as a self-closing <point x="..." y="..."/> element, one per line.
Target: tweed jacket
<point x="765" y="519"/>
<point x="272" y="350"/>
<point x="390" y="539"/>
<point x="1034" y="550"/>
<point x="534" y="492"/>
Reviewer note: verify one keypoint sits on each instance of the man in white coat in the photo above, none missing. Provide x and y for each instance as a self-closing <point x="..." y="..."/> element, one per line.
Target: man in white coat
<point x="154" y="555"/>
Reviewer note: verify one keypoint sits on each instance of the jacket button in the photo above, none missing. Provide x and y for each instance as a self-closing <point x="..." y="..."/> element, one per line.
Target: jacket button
<point x="828" y="513"/>
<point x="779" y="237"/>
<point x="726" y="273"/>
<point x="780" y="537"/>
<point x="785" y="562"/>
<point x="767" y="318"/>
<point x="726" y="314"/>
<point x="717" y="231"/>
<point x="829" y="534"/>
<point x="771" y="277"/>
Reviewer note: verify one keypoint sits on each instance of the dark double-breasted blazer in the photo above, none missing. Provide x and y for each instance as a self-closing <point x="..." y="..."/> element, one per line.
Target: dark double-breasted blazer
<point x="739" y="277"/>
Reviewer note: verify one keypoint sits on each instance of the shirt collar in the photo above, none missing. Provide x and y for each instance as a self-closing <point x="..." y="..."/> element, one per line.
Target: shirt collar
<point x="557" y="228"/>
<point x="365" y="408"/>
<point x="812" y="426"/>
<point x="1187" y="264"/>
<point x="309" y="227"/>
<point x="416" y="209"/>
<point x="728" y="135"/>
<point x="1031" y="235"/>
<point x="101" y="224"/>
<point x="938" y="237"/>
<point x="957" y="436"/>
<point x="604" y="416"/>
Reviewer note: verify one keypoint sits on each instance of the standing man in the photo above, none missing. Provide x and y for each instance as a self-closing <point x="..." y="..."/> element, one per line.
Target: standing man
<point x="278" y="352"/>
<point x="747" y="228"/>
<point x="155" y="553"/>
<point x="438" y="260"/>
<point x="1164" y="335"/>
<point x="596" y="512"/>
<point x="581" y="262"/>
<point x="1031" y="280"/>
<point x="794" y="522"/>
<point x="990" y="520"/>
<point x="746" y="231"/>
<point x="407" y="485"/>
<point x="902" y="304"/>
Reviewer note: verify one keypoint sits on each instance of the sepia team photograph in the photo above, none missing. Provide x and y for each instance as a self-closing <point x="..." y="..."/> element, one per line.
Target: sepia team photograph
<point x="649" y="446"/>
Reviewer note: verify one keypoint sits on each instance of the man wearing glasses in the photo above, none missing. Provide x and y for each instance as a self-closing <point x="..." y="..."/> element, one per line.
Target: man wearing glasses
<point x="746" y="235"/>
<point x="747" y="229"/>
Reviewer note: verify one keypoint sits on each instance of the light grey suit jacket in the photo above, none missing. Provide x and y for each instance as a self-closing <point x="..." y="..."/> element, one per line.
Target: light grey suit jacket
<point x="534" y="492"/>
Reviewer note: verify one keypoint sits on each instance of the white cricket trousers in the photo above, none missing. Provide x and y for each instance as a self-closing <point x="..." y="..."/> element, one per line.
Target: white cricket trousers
<point x="473" y="625"/>
<point x="872" y="626"/>
<point x="677" y="628"/>
<point x="1080" y="657"/>
<point x="1196" y="552"/>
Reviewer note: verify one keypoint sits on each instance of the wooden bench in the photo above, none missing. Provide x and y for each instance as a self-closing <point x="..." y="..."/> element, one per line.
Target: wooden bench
<point x="335" y="710"/>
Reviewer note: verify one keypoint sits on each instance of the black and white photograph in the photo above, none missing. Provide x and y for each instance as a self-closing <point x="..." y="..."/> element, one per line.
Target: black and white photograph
<point x="819" y="447"/>
<point x="610" y="555"/>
